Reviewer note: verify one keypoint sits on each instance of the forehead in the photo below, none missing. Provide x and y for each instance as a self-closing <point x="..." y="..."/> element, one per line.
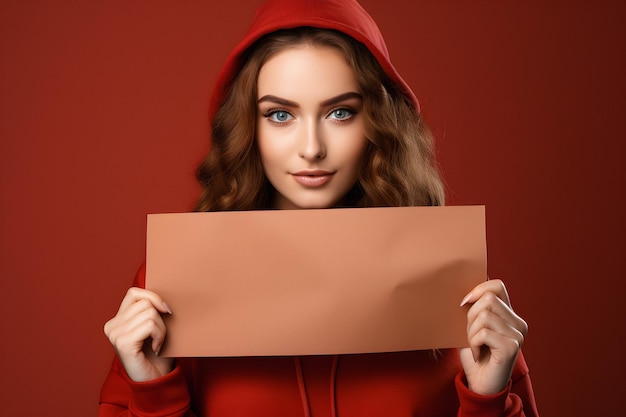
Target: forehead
<point x="306" y="72"/>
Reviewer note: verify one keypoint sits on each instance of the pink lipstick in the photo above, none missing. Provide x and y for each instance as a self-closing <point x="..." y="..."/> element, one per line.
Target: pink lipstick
<point x="312" y="179"/>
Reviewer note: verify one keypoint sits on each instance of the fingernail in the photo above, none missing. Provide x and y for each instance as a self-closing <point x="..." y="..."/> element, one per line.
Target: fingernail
<point x="165" y="306"/>
<point x="156" y="352"/>
<point x="475" y="355"/>
<point x="466" y="299"/>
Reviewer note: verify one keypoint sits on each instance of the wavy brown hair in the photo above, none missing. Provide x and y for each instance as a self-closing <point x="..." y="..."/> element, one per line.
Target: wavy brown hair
<point x="399" y="166"/>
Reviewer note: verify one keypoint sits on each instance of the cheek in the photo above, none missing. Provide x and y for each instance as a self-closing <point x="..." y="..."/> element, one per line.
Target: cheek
<point x="353" y="148"/>
<point x="264" y="144"/>
<point x="272" y="150"/>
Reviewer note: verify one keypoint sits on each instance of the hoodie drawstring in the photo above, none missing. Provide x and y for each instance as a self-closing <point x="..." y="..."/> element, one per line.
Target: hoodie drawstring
<point x="302" y="387"/>
<point x="333" y="385"/>
<point x="303" y="396"/>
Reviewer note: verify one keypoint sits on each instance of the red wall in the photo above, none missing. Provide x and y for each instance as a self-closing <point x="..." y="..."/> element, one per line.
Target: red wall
<point x="103" y="119"/>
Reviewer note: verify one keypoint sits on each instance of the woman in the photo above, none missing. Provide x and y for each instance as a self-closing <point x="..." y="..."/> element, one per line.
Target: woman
<point x="309" y="113"/>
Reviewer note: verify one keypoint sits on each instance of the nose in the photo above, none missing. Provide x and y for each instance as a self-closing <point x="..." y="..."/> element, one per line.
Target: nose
<point x="312" y="142"/>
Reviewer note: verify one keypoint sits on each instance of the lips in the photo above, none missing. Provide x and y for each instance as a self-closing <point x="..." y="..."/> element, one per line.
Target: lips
<point x="312" y="179"/>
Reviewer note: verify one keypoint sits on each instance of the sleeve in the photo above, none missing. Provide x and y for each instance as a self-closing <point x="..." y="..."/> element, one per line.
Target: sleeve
<point x="516" y="400"/>
<point x="167" y="396"/>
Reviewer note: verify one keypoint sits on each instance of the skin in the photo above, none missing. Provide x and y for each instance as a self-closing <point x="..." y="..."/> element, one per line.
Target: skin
<point x="309" y="124"/>
<point x="137" y="333"/>
<point x="495" y="334"/>
<point x="299" y="129"/>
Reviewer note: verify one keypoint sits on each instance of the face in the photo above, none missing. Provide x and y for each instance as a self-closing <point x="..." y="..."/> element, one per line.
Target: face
<point x="310" y="132"/>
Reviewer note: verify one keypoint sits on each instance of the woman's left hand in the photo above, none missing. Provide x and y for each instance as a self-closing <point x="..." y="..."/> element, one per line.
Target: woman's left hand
<point x="495" y="335"/>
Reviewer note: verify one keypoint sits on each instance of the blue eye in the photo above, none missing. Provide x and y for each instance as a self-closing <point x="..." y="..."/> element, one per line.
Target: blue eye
<point x="279" y="116"/>
<point x="340" y="114"/>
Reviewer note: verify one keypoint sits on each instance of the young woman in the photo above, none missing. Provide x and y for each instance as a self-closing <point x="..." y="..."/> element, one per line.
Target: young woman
<point x="308" y="112"/>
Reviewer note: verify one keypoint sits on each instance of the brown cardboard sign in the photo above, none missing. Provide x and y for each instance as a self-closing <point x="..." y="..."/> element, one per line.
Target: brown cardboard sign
<point x="306" y="282"/>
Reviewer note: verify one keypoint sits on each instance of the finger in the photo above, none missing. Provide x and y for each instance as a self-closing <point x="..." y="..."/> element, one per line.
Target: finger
<point x="488" y="320"/>
<point x="494" y="304"/>
<point x="152" y="330"/>
<point x="132" y="317"/>
<point x="137" y="308"/>
<point x="135" y="294"/>
<point x="501" y="345"/>
<point x="129" y="337"/>
<point x="123" y="317"/>
<point x="494" y="286"/>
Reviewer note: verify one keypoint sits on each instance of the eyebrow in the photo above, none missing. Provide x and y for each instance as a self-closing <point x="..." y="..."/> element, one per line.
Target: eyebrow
<point x="325" y="103"/>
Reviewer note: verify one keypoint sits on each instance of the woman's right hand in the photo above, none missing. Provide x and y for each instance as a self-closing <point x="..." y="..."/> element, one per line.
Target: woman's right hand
<point x="137" y="333"/>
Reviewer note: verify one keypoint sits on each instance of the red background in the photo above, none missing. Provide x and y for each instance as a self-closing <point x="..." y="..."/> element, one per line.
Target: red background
<point x="103" y="119"/>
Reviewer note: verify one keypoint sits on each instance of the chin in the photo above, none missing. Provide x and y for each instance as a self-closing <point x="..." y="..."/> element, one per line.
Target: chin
<point x="310" y="206"/>
<point x="308" y="203"/>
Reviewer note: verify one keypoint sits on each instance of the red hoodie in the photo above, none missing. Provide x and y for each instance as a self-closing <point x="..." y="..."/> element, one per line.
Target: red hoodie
<point x="401" y="384"/>
<point x="346" y="16"/>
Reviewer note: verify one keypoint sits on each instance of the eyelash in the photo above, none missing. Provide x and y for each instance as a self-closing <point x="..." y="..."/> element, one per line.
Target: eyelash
<point x="271" y="112"/>
<point x="350" y="115"/>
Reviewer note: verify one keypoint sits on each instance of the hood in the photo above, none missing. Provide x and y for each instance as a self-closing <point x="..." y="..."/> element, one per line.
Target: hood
<point x="346" y="16"/>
